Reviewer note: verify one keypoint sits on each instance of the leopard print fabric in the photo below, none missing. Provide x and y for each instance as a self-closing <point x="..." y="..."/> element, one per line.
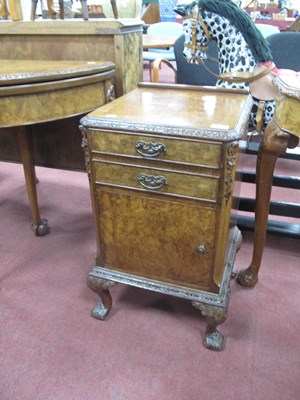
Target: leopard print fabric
<point x="233" y="54"/>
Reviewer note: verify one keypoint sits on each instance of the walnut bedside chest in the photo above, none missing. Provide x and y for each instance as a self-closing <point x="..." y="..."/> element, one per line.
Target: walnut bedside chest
<point x="161" y="162"/>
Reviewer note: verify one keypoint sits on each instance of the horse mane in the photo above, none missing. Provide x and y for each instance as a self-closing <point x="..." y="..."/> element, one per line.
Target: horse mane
<point x="243" y="23"/>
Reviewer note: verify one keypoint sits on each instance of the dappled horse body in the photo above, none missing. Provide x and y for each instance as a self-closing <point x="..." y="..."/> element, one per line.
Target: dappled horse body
<point x="243" y="53"/>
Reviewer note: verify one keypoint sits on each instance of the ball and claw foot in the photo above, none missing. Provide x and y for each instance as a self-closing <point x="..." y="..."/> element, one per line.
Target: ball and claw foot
<point x="247" y="278"/>
<point x="214" y="341"/>
<point x="41" y="229"/>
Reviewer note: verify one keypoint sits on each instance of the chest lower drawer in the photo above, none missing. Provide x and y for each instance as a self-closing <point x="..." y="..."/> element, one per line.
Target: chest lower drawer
<point x="200" y="153"/>
<point x="203" y="187"/>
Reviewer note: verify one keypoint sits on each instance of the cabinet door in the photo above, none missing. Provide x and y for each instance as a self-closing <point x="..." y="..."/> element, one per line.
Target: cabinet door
<point x="150" y="237"/>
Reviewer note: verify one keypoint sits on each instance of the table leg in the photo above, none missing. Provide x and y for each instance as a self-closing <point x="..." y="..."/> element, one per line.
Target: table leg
<point x="274" y="143"/>
<point x="39" y="225"/>
<point x="4" y="10"/>
<point x="33" y="9"/>
<point x="52" y="12"/>
<point x="61" y="9"/>
<point x="84" y="10"/>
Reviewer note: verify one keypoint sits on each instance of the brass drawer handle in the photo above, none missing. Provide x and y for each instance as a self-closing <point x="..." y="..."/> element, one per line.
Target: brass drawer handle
<point x="150" y="149"/>
<point x="152" y="182"/>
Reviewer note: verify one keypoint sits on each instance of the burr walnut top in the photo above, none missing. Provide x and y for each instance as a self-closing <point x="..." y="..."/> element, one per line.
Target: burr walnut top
<point x="177" y="110"/>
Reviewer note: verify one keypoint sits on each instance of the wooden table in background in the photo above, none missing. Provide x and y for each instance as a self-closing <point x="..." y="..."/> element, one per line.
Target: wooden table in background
<point x="34" y="91"/>
<point x="158" y="41"/>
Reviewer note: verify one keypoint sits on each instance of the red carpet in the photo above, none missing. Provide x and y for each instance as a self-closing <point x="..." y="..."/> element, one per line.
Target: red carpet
<point x="151" y="346"/>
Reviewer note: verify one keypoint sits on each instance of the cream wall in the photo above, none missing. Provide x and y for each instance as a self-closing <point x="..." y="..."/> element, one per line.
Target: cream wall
<point x="26" y="5"/>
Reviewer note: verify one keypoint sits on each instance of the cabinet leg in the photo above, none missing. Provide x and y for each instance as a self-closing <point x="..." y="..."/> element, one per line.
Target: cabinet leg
<point x="39" y="225"/>
<point x="214" y="340"/>
<point x="274" y="143"/>
<point x="101" y="287"/>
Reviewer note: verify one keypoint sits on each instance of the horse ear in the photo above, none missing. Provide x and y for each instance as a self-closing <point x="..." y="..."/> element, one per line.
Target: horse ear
<point x="184" y="9"/>
<point x="180" y="9"/>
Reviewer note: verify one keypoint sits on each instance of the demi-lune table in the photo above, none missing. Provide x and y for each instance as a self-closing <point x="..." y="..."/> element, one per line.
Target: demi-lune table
<point x="35" y="91"/>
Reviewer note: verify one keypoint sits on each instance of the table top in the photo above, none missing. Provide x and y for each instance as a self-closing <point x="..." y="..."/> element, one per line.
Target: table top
<point x="34" y="91"/>
<point x="177" y="110"/>
<point x="19" y="72"/>
<point x="71" y="27"/>
<point x="158" y="41"/>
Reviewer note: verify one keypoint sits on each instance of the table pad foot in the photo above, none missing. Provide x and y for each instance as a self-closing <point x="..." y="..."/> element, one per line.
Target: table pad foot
<point x="42" y="228"/>
<point x="247" y="277"/>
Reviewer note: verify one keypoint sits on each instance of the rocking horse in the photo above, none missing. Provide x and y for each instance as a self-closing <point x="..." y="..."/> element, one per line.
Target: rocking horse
<point x="245" y="61"/>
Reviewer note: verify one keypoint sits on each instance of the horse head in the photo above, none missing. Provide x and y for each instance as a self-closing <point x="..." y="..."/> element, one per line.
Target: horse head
<point x="196" y="33"/>
<point x="197" y="28"/>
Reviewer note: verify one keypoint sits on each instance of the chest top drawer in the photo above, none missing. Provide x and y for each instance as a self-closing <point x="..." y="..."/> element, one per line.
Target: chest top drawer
<point x="156" y="148"/>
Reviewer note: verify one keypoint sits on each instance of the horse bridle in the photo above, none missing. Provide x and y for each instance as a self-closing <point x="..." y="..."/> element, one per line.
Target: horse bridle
<point x="194" y="17"/>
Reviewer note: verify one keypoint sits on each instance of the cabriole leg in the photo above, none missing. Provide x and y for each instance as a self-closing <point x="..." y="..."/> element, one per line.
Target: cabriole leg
<point x="39" y="225"/>
<point x="101" y="287"/>
<point x="274" y="143"/>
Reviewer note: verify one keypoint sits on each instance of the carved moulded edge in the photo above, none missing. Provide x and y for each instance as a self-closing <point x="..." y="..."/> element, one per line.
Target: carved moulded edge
<point x="47" y="74"/>
<point x="165" y="288"/>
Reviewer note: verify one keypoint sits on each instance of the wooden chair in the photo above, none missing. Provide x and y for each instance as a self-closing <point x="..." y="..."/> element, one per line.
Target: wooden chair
<point x="189" y="74"/>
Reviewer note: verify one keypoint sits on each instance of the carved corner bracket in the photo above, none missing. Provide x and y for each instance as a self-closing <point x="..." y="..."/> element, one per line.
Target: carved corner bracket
<point x="84" y="145"/>
<point x="231" y="161"/>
